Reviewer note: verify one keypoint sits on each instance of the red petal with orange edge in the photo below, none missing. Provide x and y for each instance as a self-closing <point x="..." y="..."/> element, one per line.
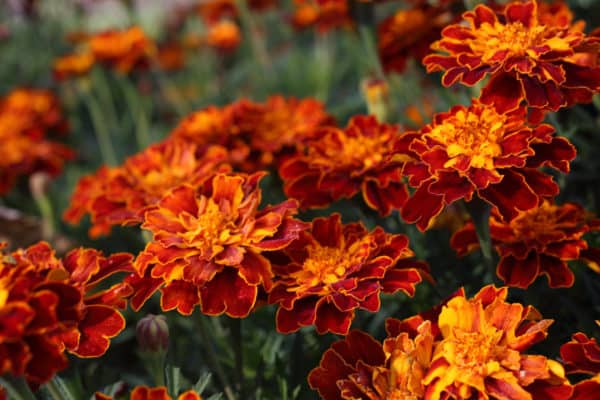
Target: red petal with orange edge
<point x="228" y="293"/>
<point x="331" y="369"/>
<point x="558" y="272"/>
<point x="179" y="295"/>
<point x="99" y="325"/>
<point x="189" y="395"/>
<point x="303" y="314"/>
<point x="504" y="92"/>
<point x="143" y="287"/>
<point x="256" y="269"/>
<point x="510" y="195"/>
<point x="422" y="207"/>
<point x="47" y="358"/>
<point x="585" y="390"/>
<point x="330" y="319"/>
<point x="401" y="279"/>
<point x="465" y="241"/>
<point x="519" y="273"/>
<point x="14" y="317"/>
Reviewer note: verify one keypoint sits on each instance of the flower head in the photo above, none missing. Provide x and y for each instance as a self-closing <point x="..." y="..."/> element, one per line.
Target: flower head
<point x="72" y="65"/>
<point x="120" y="195"/>
<point x="224" y="35"/>
<point x="362" y="158"/>
<point x="409" y="33"/>
<point x="468" y="348"/>
<point x="538" y="241"/>
<point x="48" y="304"/>
<point x="529" y="59"/>
<point x="325" y="15"/>
<point x="208" y="244"/>
<point x="158" y="393"/>
<point x="581" y="355"/>
<point x="122" y="50"/>
<point x="476" y="150"/>
<point x="26" y="118"/>
<point x="334" y="269"/>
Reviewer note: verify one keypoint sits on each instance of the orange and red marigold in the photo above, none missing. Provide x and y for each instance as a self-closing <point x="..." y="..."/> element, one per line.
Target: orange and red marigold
<point x="158" y="393"/>
<point x="537" y="242"/>
<point x="470" y="348"/>
<point x="27" y="116"/>
<point x="477" y="151"/>
<point x="581" y="355"/>
<point x="329" y="272"/>
<point x="529" y="59"/>
<point x="122" y="50"/>
<point x="365" y="157"/>
<point x="208" y="244"/>
<point x="120" y="195"/>
<point x="48" y="305"/>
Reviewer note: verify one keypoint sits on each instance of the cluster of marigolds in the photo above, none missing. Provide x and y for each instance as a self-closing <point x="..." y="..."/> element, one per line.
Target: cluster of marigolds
<point x="214" y="246"/>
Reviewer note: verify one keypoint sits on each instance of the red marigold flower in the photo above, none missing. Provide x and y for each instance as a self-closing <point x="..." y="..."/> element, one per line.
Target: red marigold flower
<point x="324" y="14"/>
<point x="122" y="50"/>
<point x="528" y="59"/>
<point x="47" y="305"/>
<point x="334" y="269"/>
<point x="538" y="241"/>
<point x="476" y="150"/>
<point x="409" y="34"/>
<point x="208" y="244"/>
<point x="470" y="348"/>
<point x="120" y="195"/>
<point x="582" y="356"/>
<point x="159" y="393"/>
<point x="26" y="116"/>
<point x="364" y="157"/>
<point x="278" y="125"/>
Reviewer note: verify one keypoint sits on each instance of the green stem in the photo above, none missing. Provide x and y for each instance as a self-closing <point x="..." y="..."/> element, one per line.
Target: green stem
<point x="368" y="40"/>
<point x="16" y="388"/>
<point x="101" y="130"/>
<point x="47" y="213"/>
<point x="213" y="359"/>
<point x="58" y="389"/>
<point x="138" y="114"/>
<point x="248" y="24"/>
<point x="237" y="343"/>
<point x="480" y="213"/>
<point x="102" y="87"/>
<point x="170" y="93"/>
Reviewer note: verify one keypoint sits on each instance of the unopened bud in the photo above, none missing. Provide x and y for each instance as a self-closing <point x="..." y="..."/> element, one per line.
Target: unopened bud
<point x="152" y="333"/>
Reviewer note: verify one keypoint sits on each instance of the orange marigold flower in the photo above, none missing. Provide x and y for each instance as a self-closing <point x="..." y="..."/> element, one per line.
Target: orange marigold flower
<point x="528" y="58"/>
<point x="364" y="157"/>
<point x="120" y="195"/>
<point x="122" y="50"/>
<point x="324" y="14"/>
<point x="72" y="65"/>
<point x="279" y="125"/>
<point x="224" y="35"/>
<point x="468" y="348"/>
<point x="409" y="34"/>
<point x="159" y="393"/>
<point x="334" y="269"/>
<point x="208" y="244"/>
<point x="26" y="116"/>
<point x="537" y="242"/>
<point x="476" y="150"/>
<point x="47" y="305"/>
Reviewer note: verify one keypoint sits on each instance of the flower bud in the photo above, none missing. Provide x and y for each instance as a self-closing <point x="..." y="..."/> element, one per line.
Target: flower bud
<point x="152" y="333"/>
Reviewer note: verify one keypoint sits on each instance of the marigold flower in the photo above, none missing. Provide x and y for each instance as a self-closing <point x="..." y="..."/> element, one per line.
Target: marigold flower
<point x="47" y="305"/>
<point x="364" y="157"/>
<point x="325" y="15"/>
<point x="409" y="34"/>
<point x="26" y="116"/>
<point x="470" y="348"/>
<point x="72" y="65"/>
<point x="581" y="355"/>
<point x="334" y="269"/>
<point x="538" y="241"/>
<point x="120" y="195"/>
<point x="159" y="393"/>
<point x="476" y="150"/>
<point x="273" y="128"/>
<point x="122" y="50"/>
<point x="224" y="35"/>
<point x="528" y="59"/>
<point x="208" y="244"/>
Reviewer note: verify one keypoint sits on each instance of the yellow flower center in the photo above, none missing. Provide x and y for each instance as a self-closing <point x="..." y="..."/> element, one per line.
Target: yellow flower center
<point x="359" y="151"/>
<point x="475" y="349"/>
<point x="327" y="265"/>
<point x="541" y="221"/>
<point x="515" y="38"/>
<point x="472" y="135"/>
<point x="213" y="229"/>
